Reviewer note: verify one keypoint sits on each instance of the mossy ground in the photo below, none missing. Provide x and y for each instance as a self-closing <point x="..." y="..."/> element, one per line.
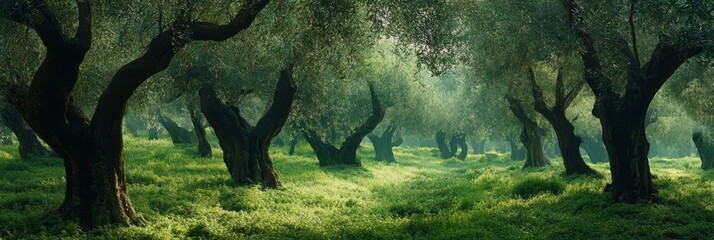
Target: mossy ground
<point x="421" y="197"/>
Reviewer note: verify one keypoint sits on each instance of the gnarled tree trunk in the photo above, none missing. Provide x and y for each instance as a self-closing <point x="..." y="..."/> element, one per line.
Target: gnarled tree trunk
<point x="383" y="144"/>
<point x="705" y="147"/>
<point x="623" y="116"/>
<point x="568" y="142"/>
<point x="96" y="188"/>
<point x="461" y="143"/>
<point x="30" y="145"/>
<point x="293" y="144"/>
<point x="444" y="150"/>
<point x="204" y="148"/>
<point x="517" y="153"/>
<point x="245" y="148"/>
<point x="595" y="149"/>
<point x="178" y="134"/>
<point x="329" y="155"/>
<point x="530" y="136"/>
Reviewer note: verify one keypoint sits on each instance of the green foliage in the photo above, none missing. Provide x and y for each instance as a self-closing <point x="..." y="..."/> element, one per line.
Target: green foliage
<point x="421" y="197"/>
<point x="533" y="186"/>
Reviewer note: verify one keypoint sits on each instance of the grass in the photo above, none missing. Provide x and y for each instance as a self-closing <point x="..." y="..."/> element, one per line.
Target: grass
<point x="420" y="197"/>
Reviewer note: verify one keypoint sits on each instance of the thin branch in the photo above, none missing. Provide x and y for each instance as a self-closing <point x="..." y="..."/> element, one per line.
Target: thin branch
<point x="633" y="33"/>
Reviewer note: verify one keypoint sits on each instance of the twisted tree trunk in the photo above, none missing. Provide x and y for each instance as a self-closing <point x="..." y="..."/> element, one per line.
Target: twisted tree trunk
<point x="383" y="144"/>
<point x="329" y="155"/>
<point x="568" y="142"/>
<point x="204" y="148"/>
<point x="623" y="116"/>
<point x="595" y="149"/>
<point x="517" y="153"/>
<point x="293" y="144"/>
<point x="178" y="134"/>
<point x="705" y="147"/>
<point x="245" y="148"/>
<point x="30" y="145"/>
<point x="530" y="136"/>
<point x="96" y="188"/>
<point x="444" y="150"/>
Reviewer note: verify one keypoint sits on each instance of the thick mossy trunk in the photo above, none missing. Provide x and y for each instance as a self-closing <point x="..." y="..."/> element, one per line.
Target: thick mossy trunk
<point x="595" y="149"/>
<point x="569" y="145"/>
<point x="705" y="148"/>
<point x="293" y="144"/>
<point x="383" y="144"/>
<point x="461" y="143"/>
<point x="329" y="155"/>
<point x="178" y="134"/>
<point x="444" y="150"/>
<point x="204" y="148"/>
<point x="245" y="148"/>
<point x="530" y="136"/>
<point x="30" y="145"/>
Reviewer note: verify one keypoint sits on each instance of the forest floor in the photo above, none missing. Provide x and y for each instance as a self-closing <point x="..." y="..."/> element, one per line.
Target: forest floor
<point x="420" y="197"/>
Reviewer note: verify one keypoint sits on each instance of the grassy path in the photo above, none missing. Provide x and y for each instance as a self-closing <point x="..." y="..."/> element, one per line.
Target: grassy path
<point x="421" y="197"/>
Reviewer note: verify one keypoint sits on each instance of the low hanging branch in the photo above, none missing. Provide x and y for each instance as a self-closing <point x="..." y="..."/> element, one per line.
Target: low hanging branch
<point x="329" y="155"/>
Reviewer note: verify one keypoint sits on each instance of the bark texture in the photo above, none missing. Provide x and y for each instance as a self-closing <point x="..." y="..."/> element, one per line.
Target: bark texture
<point x="530" y="136"/>
<point x="383" y="144"/>
<point x="204" y="147"/>
<point x="444" y="150"/>
<point x="623" y="116"/>
<point x="517" y="153"/>
<point x="30" y="145"/>
<point x="96" y="189"/>
<point x="705" y="148"/>
<point x="329" y="155"/>
<point x="568" y="142"/>
<point x="245" y="148"/>
<point x="178" y="134"/>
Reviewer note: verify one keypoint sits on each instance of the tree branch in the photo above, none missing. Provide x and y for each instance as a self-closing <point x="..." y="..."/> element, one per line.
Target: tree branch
<point x="633" y="33"/>
<point x="274" y="119"/>
<point x="539" y="100"/>
<point x="374" y="119"/>
<point x="84" y="30"/>
<point x="666" y="58"/>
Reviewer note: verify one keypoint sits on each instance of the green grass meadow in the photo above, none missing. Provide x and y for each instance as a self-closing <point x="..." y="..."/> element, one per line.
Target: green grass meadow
<point x="421" y="197"/>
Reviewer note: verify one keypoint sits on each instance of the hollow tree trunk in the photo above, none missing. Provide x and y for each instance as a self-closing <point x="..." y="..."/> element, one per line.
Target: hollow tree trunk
<point x="204" y="148"/>
<point x="293" y="144"/>
<point x="30" y="145"/>
<point x="595" y="149"/>
<point x="178" y="134"/>
<point x="530" y="137"/>
<point x="329" y="155"/>
<point x="517" y="153"/>
<point x="383" y="144"/>
<point x="705" y="148"/>
<point x="444" y="150"/>
<point x="568" y="142"/>
<point x="245" y="148"/>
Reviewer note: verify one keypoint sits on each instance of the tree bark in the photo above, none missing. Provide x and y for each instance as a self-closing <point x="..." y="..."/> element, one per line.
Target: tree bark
<point x="623" y="116"/>
<point x="178" y="134"/>
<point x="245" y="148"/>
<point x="517" y="153"/>
<point x="705" y="148"/>
<point x="96" y="191"/>
<point x="461" y="143"/>
<point x="444" y="150"/>
<point x="293" y="144"/>
<point x="595" y="149"/>
<point x="568" y="142"/>
<point x="530" y="136"/>
<point x="329" y="155"/>
<point x="204" y="148"/>
<point x="383" y="144"/>
<point x="30" y="145"/>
